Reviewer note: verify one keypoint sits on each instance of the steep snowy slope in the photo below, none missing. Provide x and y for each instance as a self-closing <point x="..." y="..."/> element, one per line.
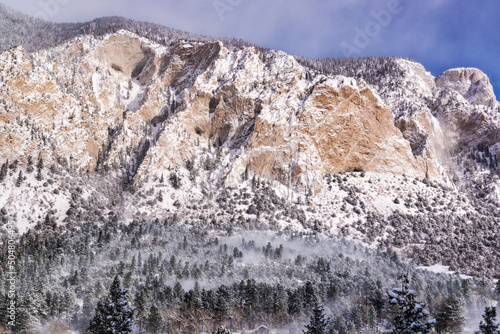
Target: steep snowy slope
<point x="119" y="127"/>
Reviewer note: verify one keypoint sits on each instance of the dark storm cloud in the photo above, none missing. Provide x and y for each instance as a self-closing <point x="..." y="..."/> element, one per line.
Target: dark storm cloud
<point x="438" y="33"/>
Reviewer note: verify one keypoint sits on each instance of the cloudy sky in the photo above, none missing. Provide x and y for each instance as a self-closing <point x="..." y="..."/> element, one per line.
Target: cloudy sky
<point x="440" y="34"/>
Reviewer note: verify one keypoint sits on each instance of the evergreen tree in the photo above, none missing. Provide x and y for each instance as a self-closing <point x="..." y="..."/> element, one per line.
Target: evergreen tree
<point x="39" y="167"/>
<point x="296" y="301"/>
<point x="497" y="289"/>
<point x="357" y="317"/>
<point x="250" y="297"/>
<point x="3" y="170"/>
<point x="372" y="317"/>
<point x="24" y="321"/>
<point x="310" y="295"/>
<point x="178" y="291"/>
<point x="341" y="325"/>
<point x="221" y="307"/>
<point x="113" y="315"/>
<point x="176" y="180"/>
<point x="39" y="176"/>
<point x="318" y="323"/>
<point x="411" y="317"/>
<point x="20" y="178"/>
<point x="39" y="164"/>
<point x="140" y="302"/>
<point x="450" y="315"/>
<point x="489" y="326"/>
<point x="33" y="307"/>
<point x="280" y="301"/>
<point x="155" y="320"/>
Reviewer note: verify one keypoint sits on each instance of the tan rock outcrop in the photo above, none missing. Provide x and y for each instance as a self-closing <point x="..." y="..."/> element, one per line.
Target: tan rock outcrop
<point x="126" y="101"/>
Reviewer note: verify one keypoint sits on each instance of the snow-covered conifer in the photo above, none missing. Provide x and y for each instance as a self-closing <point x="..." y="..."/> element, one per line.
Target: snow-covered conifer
<point x="411" y="317"/>
<point x="318" y="323"/>
<point x="113" y="315"/>
<point x="489" y="325"/>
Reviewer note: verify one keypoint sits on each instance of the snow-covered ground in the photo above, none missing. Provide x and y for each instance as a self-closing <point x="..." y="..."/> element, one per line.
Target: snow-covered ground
<point x="439" y="268"/>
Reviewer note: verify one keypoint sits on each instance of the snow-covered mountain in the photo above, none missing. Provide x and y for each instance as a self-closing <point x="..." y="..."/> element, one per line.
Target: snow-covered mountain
<point x="116" y="124"/>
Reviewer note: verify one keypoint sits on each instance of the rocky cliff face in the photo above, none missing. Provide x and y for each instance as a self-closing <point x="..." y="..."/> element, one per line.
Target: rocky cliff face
<point x="123" y="98"/>
<point x="123" y="105"/>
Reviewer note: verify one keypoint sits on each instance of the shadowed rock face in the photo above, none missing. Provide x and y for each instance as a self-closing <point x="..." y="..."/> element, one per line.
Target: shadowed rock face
<point x="125" y="101"/>
<point x="471" y="83"/>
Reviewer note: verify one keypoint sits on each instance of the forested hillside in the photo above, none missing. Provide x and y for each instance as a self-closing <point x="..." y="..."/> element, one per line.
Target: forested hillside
<point x="200" y="277"/>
